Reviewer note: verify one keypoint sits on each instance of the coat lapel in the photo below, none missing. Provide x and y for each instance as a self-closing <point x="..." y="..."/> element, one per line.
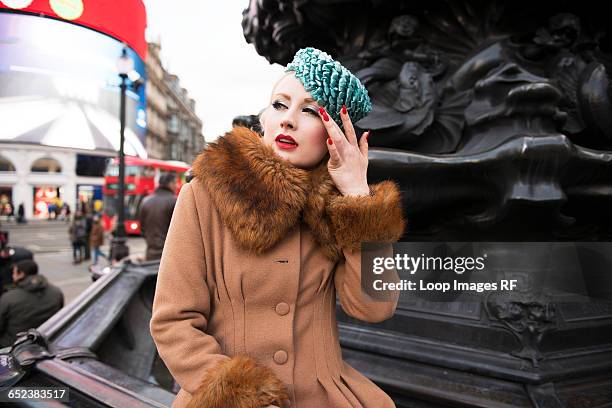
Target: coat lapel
<point x="260" y="197"/>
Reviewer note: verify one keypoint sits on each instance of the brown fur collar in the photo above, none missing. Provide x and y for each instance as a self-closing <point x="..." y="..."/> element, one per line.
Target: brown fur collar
<point x="260" y="196"/>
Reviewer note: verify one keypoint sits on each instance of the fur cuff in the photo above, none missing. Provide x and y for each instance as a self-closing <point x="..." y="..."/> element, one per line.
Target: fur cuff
<point x="374" y="218"/>
<point x="240" y="382"/>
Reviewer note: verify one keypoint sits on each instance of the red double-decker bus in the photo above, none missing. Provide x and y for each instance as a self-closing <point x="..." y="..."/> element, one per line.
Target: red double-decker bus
<point x="141" y="179"/>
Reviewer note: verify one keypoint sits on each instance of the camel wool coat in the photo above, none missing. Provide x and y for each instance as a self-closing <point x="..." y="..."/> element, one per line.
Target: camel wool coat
<point x="257" y="252"/>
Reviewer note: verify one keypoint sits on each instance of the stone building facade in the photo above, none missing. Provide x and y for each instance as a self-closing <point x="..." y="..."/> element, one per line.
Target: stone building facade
<point x="174" y="131"/>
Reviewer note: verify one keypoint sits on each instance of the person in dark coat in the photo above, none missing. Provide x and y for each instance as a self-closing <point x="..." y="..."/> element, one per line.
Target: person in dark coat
<point x="155" y="215"/>
<point x="88" y="216"/>
<point x="29" y="304"/>
<point x="78" y="237"/>
<point x="21" y="214"/>
<point x="67" y="215"/>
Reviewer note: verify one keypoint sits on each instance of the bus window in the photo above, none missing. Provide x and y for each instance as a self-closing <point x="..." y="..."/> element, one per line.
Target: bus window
<point x="148" y="171"/>
<point x="113" y="170"/>
<point x="133" y="170"/>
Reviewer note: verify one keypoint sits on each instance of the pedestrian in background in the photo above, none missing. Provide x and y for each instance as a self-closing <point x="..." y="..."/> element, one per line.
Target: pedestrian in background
<point x="58" y="208"/>
<point x="78" y="237"/>
<point x="88" y="216"/>
<point x="96" y="239"/>
<point x="29" y="304"/>
<point x="21" y="214"/>
<point x="8" y="256"/>
<point x="50" y="211"/>
<point x="155" y="214"/>
<point x="67" y="212"/>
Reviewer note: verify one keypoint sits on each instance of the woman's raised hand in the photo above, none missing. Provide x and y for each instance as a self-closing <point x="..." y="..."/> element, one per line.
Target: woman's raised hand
<point x="348" y="158"/>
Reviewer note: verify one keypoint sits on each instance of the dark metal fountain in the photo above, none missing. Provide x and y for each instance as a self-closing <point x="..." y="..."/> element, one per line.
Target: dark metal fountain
<point x="495" y="119"/>
<point x="98" y="347"/>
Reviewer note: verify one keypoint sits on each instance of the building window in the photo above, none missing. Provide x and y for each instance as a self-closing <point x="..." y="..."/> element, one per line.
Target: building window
<point x="6" y="165"/>
<point x="46" y="165"/>
<point x="91" y="166"/>
<point x="173" y="124"/>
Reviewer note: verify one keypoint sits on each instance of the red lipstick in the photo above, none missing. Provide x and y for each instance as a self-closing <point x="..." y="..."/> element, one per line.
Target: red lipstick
<point x="285" y="142"/>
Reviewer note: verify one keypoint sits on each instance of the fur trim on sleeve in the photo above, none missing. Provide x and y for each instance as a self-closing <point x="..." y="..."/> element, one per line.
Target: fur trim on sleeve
<point x="240" y="382"/>
<point x="374" y="218"/>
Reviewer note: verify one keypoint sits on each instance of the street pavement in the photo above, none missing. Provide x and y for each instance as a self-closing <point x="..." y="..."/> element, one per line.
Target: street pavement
<point x="50" y="243"/>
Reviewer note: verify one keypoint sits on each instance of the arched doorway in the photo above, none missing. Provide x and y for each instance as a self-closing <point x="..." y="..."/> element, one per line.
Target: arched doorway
<point x="46" y="165"/>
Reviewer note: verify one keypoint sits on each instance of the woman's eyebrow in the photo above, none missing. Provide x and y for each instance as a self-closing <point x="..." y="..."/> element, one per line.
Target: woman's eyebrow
<point x="284" y="95"/>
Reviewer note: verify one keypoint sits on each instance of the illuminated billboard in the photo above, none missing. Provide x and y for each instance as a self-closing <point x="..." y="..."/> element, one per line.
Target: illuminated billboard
<point x="59" y="86"/>
<point x="124" y="20"/>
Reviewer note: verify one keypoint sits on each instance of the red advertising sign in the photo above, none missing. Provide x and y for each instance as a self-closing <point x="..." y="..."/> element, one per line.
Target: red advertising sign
<point x="124" y="20"/>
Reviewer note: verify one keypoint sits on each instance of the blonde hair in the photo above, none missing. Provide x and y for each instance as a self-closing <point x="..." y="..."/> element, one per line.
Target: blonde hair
<point x="261" y="112"/>
<point x="278" y="81"/>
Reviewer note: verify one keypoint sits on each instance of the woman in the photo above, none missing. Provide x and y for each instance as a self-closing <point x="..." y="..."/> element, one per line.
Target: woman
<point x="96" y="239"/>
<point x="260" y="243"/>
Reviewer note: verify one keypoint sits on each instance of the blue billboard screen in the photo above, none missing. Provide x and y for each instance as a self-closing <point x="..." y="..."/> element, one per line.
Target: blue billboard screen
<point x="59" y="87"/>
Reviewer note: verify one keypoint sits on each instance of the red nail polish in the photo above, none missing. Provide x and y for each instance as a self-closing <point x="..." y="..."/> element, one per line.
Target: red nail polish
<point x="321" y="111"/>
<point x="329" y="141"/>
<point x="326" y="117"/>
<point x="344" y="109"/>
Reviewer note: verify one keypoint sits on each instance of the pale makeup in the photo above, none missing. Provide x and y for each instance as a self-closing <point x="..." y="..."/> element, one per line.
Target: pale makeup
<point x="293" y="112"/>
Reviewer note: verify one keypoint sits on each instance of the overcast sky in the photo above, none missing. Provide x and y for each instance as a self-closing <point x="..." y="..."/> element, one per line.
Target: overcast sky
<point x="202" y="43"/>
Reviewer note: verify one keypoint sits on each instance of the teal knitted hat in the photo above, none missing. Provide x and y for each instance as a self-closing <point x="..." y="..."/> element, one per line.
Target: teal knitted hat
<point x="330" y="84"/>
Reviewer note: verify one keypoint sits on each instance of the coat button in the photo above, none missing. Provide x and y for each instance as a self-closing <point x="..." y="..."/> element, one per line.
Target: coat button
<point x="280" y="357"/>
<point x="282" y="308"/>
